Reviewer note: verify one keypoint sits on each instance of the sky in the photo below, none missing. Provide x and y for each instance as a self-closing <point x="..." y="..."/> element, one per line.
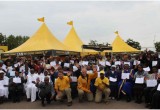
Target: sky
<point x="93" y="20"/>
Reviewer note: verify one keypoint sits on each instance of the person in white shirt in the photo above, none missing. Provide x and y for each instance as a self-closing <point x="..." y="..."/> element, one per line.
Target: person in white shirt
<point x="31" y="89"/>
<point x="3" y="87"/>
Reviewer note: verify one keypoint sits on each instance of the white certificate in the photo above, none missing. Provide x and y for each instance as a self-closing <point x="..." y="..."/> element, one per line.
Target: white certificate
<point x="98" y="74"/>
<point x="127" y="63"/>
<point x="89" y="72"/>
<point x="151" y="83"/>
<point x="17" y="80"/>
<point x="117" y="63"/>
<point x="158" y="70"/>
<point x="154" y="63"/>
<point x="72" y="61"/>
<point x="48" y="66"/>
<point x="53" y="63"/>
<point x="112" y="79"/>
<point x="75" y="68"/>
<point x="102" y="63"/>
<point x="108" y="63"/>
<point x="59" y="63"/>
<point x="136" y="62"/>
<point x="55" y="80"/>
<point x="66" y="65"/>
<point x="158" y="88"/>
<point x="139" y="80"/>
<point x="159" y="56"/>
<point x="80" y="63"/>
<point x="97" y="67"/>
<point x="16" y="65"/>
<point x="146" y="69"/>
<point x="85" y="63"/>
<point x="74" y="78"/>
<point x="125" y="75"/>
<point x="12" y="73"/>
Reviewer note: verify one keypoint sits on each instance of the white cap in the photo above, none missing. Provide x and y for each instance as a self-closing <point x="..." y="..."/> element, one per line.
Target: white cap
<point x="2" y="72"/>
<point x="113" y="66"/>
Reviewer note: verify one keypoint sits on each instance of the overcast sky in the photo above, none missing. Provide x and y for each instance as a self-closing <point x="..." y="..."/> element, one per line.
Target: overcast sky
<point x="92" y="20"/>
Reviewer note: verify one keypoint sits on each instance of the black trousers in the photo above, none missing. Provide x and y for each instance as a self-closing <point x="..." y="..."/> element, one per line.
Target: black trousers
<point x="156" y="100"/>
<point x="138" y="91"/>
<point x="16" y="93"/>
<point x="45" y="95"/>
<point x="114" y="89"/>
<point x="148" y="93"/>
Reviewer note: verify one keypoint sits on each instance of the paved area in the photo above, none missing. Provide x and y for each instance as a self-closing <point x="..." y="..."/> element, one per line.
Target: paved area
<point x="76" y="105"/>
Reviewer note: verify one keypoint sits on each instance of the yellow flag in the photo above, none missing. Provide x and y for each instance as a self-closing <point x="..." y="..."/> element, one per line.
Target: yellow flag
<point x="116" y="32"/>
<point x="41" y="19"/>
<point x="70" y="23"/>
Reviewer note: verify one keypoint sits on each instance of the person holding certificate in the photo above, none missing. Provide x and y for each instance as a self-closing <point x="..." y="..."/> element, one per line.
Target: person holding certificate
<point x="16" y="87"/>
<point x="113" y="81"/>
<point x="151" y="83"/>
<point x="156" y="95"/>
<point x="125" y="86"/>
<point x="31" y="89"/>
<point x="140" y="78"/>
<point x="84" y="81"/>
<point x="3" y="87"/>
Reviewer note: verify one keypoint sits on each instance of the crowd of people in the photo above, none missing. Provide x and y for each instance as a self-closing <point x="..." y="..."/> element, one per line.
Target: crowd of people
<point x="90" y="78"/>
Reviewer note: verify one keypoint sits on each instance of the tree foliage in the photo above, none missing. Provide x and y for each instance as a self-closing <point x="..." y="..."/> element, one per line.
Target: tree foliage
<point x="134" y="44"/>
<point x="12" y="41"/>
<point x="94" y="42"/>
<point x="157" y="46"/>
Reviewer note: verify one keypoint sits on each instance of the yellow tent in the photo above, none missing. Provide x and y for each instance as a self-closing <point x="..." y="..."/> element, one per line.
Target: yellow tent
<point x="43" y="39"/>
<point x="119" y="45"/>
<point x="75" y="43"/>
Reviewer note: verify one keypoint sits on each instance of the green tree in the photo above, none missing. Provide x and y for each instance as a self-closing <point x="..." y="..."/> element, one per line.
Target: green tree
<point x="134" y="44"/>
<point x="157" y="46"/>
<point x="94" y="42"/>
<point x="2" y="39"/>
<point x="11" y="42"/>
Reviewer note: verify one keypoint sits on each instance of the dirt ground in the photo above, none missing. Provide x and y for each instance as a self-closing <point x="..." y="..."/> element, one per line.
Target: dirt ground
<point x="113" y="104"/>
